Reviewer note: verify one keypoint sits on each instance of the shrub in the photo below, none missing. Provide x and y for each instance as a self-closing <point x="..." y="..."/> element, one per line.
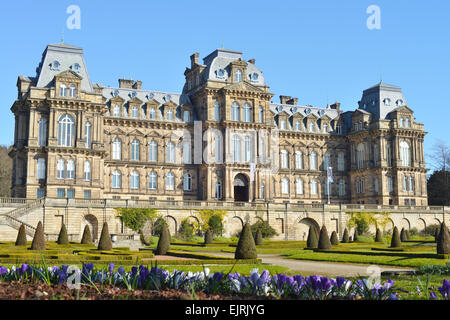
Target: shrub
<point x="436" y="235"/>
<point x="186" y="231"/>
<point x="63" y="238"/>
<point x="87" y="236"/>
<point x="379" y="236"/>
<point x="334" y="239"/>
<point x="164" y="241"/>
<point x="38" y="242"/>
<point x="216" y="225"/>
<point x="403" y="236"/>
<point x="355" y="235"/>
<point x="443" y="245"/>
<point x="345" y="238"/>
<point x="21" y="236"/>
<point x="396" y="241"/>
<point x="414" y="232"/>
<point x="312" y="241"/>
<point x="258" y="238"/>
<point x="136" y="218"/>
<point x="324" y="239"/>
<point x="431" y="229"/>
<point x="208" y="237"/>
<point x="266" y="230"/>
<point x="157" y="227"/>
<point x="105" y="239"/>
<point x="246" y="248"/>
<point x="407" y="234"/>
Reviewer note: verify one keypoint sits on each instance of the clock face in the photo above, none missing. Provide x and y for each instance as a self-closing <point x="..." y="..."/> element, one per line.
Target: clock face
<point x="254" y="76"/>
<point x="220" y="73"/>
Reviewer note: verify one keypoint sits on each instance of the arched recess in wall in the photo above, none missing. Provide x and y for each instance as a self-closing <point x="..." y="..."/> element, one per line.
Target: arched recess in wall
<point x="303" y="227"/>
<point x="92" y="222"/>
<point x="421" y="224"/>
<point x="172" y="224"/>
<point x="236" y="225"/>
<point x="389" y="227"/>
<point x="404" y="223"/>
<point x="193" y="220"/>
<point x="437" y="221"/>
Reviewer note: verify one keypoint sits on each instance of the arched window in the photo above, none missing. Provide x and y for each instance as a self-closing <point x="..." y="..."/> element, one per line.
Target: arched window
<point x="341" y="163"/>
<point x="187" y="153"/>
<point x="170" y="152"/>
<point x="42" y="132"/>
<point x="217" y="148"/>
<point x="261" y="114"/>
<point x="170" y="181"/>
<point x="326" y="161"/>
<point x="299" y="186"/>
<point x="247" y="117"/>
<point x="187" y="182"/>
<point x="152" y="180"/>
<point x="325" y="128"/>
<point x="247" y="149"/>
<point x="41" y="168"/>
<point x="70" y="169"/>
<point x="297" y="125"/>
<point x="63" y="90"/>
<point x="236" y="148"/>
<point x="411" y="183"/>
<point x="65" y="130"/>
<point x="360" y="156"/>
<point x="216" y="111"/>
<point x="152" y="113"/>
<point x="153" y="151"/>
<point x="134" y="150"/>
<point x="298" y="160"/>
<point x="134" y="180"/>
<point x="116" y="110"/>
<point x="72" y="91"/>
<point x="60" y="169"/>
<point x="134" y="112"/>
<point x="169" y="115"/>
<point x="313" y="187"/>
<point x="218" y="194"/>
<point x="186" y="116"/>
<point x="88" y="134"/>
<point x="115" y="179"/>
<point x="284" y="159"/>
<point x="341" y="187"/>
<point x="235" y="111"/>
<point x="117" y="149"/>
<point x="87" y="171"/>
<point x="405" y="154"/>
<point x="313" y="160"/>
<point x="284" y="186"/>
<point x="238" y="76"/>
<point x="311" y="127"/>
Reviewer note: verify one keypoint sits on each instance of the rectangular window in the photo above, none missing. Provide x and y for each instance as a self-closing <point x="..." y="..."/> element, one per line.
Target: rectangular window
<point x="61" y="193"/>
<point x="71" y="193"/>
<point x="87" y="194"/>
<point x="41" y="168"/>
<point x="40" y="193"/>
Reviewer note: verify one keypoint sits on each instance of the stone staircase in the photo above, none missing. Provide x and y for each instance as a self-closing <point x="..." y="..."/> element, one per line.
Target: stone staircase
<point x="12" y="218"/>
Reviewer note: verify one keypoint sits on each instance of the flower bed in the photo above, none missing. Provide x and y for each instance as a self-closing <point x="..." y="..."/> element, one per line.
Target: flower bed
<point x="262" y="285"/>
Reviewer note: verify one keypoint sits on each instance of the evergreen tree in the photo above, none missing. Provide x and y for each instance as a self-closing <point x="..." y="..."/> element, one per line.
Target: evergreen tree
<point x="403" y="236"/>
<point x="324" y="239"/>
<point x="313" y="240"/>
<point x="21" y="236"/>
<point x="105" y="239"/>
<point x="436" y="235"/>
<point x="379" y="236"/>
<point x="258" y="237"/>
<point x="443" y="245"/>
<point x="355" y="236"/>
<point x="345" y="238"/>
<point x="63" y="238"/>
<point x="396" y="241"/>
<point x="208" y="237"/>
<point x="246" y="248"/>
<point x="38" y="242"/>
<point x="164" y="241"/>
<point x="87" y="236"/>
<point x="334" y="238"/>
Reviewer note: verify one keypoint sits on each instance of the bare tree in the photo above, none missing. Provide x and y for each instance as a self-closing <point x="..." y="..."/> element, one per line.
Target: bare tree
<point x="440" y="155"/>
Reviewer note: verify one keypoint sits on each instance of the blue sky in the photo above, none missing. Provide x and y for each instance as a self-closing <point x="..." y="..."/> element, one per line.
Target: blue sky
<point x="318" y="51"/>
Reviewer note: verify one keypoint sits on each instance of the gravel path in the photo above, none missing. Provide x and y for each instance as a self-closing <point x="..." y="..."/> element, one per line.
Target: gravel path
<point x="318" y="267"/>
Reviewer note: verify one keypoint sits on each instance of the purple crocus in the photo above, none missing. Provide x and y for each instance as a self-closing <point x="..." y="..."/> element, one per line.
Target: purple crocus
<point x="445" y="289"/>
<point x="111" y="267"/>
<point x="121" y="270"/>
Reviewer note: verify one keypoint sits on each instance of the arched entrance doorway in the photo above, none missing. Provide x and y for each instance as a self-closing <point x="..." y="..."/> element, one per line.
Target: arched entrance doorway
<point x="240" y="188"/>
<point x="92" y="222"/>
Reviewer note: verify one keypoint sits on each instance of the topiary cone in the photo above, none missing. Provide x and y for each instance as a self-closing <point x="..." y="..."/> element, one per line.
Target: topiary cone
<point x="379" y="236"/>
<point x="38" y="242"/>
<point x="436" y="235"/>
<point x="63" y="238"/>
<point x="21" y="236"/>
<point x="396" y="241"/>
<point x="312" y="241"/>
<point x="355" y="236"/>
<point x="403" y="236"/>
<point x="324" y="239"/>
<point x="345" y="238"/>
<point x="87" y="236"/>
<point x="246" y="248"/>
<point x="105" y="239"/>
<point x="258" y="237"/>
<point x="164" y="241"/>
<point x="443" y="245"/>
<point x="334" y="239"/>
<point x="407" y="234"/>
<point x="208" y="237"/>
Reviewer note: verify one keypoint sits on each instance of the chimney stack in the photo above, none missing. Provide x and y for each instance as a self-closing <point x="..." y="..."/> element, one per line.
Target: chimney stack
<point x="194" y="59"/>
<point x="137" y="85"/>
<point x="125" y="83"/>
<point x="284" y="99"/>
<point x="252" y="61"/>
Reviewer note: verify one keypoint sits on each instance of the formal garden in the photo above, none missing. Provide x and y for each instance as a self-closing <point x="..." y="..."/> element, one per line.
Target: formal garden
<point x="199" y="263"/>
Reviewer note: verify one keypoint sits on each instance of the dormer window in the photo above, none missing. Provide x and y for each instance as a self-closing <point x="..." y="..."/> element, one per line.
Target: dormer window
<point x="133" y="94"/>
<point x="150" y="96"/>
<point x="76" y="67"/>
<point x="402" y="122"/>
<point x="115" y="93"/>
<point x="254" y="77"/>
<point x="387" y="102"/>
<point x="220" y="73"/>
<point x="399" y="102"/>
<point x="407" y="122"/>
<point x="169" y="115"/>
<point x="55" y="65"/>
<point x="134" y="112"/>
<point x="307" y="111"/>
<point x="238" y="76"/>
<point x="282" y="124"/>
<point x="152" y="113"/>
